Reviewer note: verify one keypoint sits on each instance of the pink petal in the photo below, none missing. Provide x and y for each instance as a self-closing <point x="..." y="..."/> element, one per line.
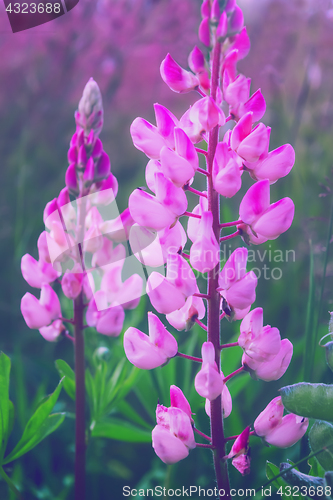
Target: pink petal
<point x="141" y="352"/>
<point x="176" y="77"/>
<point x="110" y="322"/>
<point x="164" y="296"/>
<point x="276" y="220"/>
<point x="147" y="211"/>
<point x="160" y="337"/>
<point x="288" y="432"/>
<point x="168" y="447"/>
<point x="255" y="202"/>
<point x="147" y="138"/>
<point x="171" y="197"/>
<point x="35" y="315"/>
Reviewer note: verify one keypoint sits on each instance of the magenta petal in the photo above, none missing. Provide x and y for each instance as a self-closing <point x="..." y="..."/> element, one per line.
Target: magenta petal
<point x="140" y="351"/>
<point x="241" y="131"/>
<point x="176" y="77"/>
<point x="276" y="368"/>
<point x="147" y="138"/>
<point x="49" y="299"/>
<point x="52" y="332"/>
<point x="181" y="426"/>
<point x="269" y="418"/>
<point x="164" y="296"/>
<point x="185" y="148"/>
<point x="204" y="32"/>
<point x="166" y="123"/>
<point x="180" y="275"/>
<point x="35" y="315"/>
<point x="277" y="164"/>
<point x="178" y="400"/>
<point x="196" y="60"/>
<point x="234" y="269"/>
<point x="276" y="219"/>
<point x="255" y="202"/>
<point x="147" y="211"/>
<point x="171" y="197"/>
<point x="176" y="168"/>
<point x="257" y="105"/>
<point x="291" y="429"/>
<point x="110" y="322"/>
<point x="168" y="447"/>
<point x="242" y="293"/>
<point x="160" y="337"/>
<point x="228" y="181"/>
<point x="252" y="147"/>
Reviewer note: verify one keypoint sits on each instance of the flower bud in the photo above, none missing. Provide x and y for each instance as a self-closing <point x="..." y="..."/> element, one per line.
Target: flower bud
<point x="176" y="77"/>
<point x="90" y="111"/>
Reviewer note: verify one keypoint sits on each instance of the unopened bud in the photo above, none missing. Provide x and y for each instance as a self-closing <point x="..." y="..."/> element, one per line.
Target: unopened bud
<point x="236" y="21"/>
<point x="90" y="112"/>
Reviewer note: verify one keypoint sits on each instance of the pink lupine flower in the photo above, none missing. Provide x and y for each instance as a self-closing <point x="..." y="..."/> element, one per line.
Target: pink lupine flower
<point x="127" y="293"/>
<point x="259" y="343"/>
<point x="237" y="94"/>
<point x="226" y="172"/>
<point x="206" y="113"/>
<point x="107" y="320"/>
<point x="107" y="254"/>
<point x="226" y="401"/>
<point x="249" y="143"/>
<point x="71" y="282"/>
<point x="272" y="369"/>
<point x="173" y="435"/>
<point x="236" y="21"/>
<point x="160" y="211"/>
<point x="36" y="273"/>
<point x="196" y="61"/>
<point x="204" y="32"/>
<point x="239" y="452"/>
<point x="39" y="313"/>
<point x="179" y="165"/>
<point x="150" y="139"/>
<point x="177" y="79"/>
<point x="152" y="248"/>
<point x="194" y="223"/>
<point x="118" y="229"/>
<point x="184" y="318"/>
<point x="237" y="286"/>
<point x="222" y="28"/>
<point x="277" y="430"/>
<point x="178" y="400"/>
<point x="208" y="382"/>
<point x="167" y="294"/>
<point x="273" y="165"/>
<point x="241" y="43"/>
<point x="104" y="192"/>
<point x="52" y="332"/>
<point x="263" y="221"/>
<point x="205" y="251"/>
<point x="151" y="351"/>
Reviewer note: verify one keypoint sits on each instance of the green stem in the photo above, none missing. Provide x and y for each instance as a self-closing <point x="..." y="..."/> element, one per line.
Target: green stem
<point x="10" y="484"/>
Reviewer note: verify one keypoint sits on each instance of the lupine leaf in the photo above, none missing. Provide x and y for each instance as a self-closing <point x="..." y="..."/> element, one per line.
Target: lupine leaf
<point x="35" y="431"/>
<point x="296" y="478"/>
<point x="321" y="436"/>
<point x="49" y="425"/>
<point x="4" y="402"/>
<point x="69" y="381"/>
<point x="113" y="428"/>
<point x="309" y="400"/>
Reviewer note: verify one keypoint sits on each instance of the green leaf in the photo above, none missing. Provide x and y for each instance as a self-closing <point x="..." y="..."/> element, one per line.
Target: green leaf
<point x="34" y="428"/>
<point x="309" y="400"/>
<point x="50" y="424"/>
<point x="129" y="412"/>
<point x="329" y="354"/>
<point x="4" y="402"/>
<point x="113" y="428"/>
<point x="321" y="436"/>
<point x="69" y="382"/>
<point x="272" y="470"/>
<point x="315" y="468"/>
<point x="296" y="478"/>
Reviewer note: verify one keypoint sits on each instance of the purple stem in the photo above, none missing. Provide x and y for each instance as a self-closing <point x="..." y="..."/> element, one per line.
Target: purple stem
<point x="233" y="374"/>
<point x="200" y="445"/>
<point x="65" y="320"/>
<point x="192" y="358"/>
<point x="222" y="315"/>
<point x="213" y="304"/>
<point x="201" y="92"/>
<point x="224" y="238"/>
<point x="201" y="324"/>
<point x="185" y="255"/>
<point x="68" y="336"/>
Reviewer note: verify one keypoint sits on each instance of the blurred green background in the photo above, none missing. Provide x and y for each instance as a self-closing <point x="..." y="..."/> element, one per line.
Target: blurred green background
<point x="120" y="43"/>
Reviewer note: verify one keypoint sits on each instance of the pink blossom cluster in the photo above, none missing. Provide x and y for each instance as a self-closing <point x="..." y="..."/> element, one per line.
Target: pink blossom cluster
<point x="79" y="251"/>
<point x="157" y="237"/>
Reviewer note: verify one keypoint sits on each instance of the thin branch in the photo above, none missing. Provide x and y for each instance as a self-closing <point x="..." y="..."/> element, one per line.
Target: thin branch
<point x="200" y="445"/>
<point x="202" y="434"/>
<point x="202" y="171"/>
<point x="229" y="224"/>
<point x="224" y="346"/>
<point x="195" y="191"/>
<point x="202" y="151"/>
<point x="202" y="295"/>
<point x="233" y="374"/>
<point x="189" y="214"/>
<point x="204" y="327"/>
<point x="192" y="358"/>
<point x="233" y="235"/>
